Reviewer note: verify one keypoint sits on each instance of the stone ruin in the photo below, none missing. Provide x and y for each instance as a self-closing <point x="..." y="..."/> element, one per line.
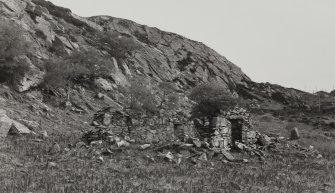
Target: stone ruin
<point x="225" y="130"/>
<point x="144" y="129"/>
<point x="220" y="132"/>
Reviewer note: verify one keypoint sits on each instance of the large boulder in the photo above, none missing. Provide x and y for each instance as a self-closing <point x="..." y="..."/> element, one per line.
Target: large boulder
<point x="30" y="78"/>
<point x="9" y="126"/>
<point x="19" y="129"/>
<point x="5" y="123"/>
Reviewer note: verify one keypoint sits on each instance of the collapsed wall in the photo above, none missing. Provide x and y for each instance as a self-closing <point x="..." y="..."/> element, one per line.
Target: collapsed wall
<point x="145" y="129"/>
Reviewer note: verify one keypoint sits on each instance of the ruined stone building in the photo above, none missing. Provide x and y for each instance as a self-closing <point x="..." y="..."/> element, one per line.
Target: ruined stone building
<point x="145" y="129"/>
<point x="226" y="129"/>
<point x="221" y="131"/>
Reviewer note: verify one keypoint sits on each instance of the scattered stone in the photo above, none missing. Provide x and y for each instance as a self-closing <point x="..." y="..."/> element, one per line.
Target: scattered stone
<point x="240" y="146"/>
<point x="45" y="134"/>
<point x="245" y="161"/>
<point x="96" y="143"/>
<point x="101" y="159"/>
<point x="145" y="146"/>
<point x="203" y="157"/>
<point x="167" y="156"/>
<point x="227" y="155"/>
<point x="264" y="140"/>
<point x="52" y="165"/>
<point x="319" y="156"/>
<point x="294" y="134"/>
<point x="122" y="143"/>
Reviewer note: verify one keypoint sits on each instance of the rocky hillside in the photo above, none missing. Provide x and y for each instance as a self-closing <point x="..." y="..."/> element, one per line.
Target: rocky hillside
<point x="131" y="49"/>
<point x="158" y="55"/>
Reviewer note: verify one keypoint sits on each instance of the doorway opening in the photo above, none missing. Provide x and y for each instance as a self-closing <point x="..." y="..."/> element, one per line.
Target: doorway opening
<point x="236" y="130"/>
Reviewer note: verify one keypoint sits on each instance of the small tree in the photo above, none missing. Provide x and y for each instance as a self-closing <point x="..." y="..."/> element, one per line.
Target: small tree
<point x="211" y="99"/>
<point x="118" y="44"/>
<point x="12" y="44"/>
<point x="81" y="67"/>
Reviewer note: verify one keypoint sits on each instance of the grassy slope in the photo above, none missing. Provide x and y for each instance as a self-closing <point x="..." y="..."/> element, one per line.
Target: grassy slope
<point x="24" y="164"/>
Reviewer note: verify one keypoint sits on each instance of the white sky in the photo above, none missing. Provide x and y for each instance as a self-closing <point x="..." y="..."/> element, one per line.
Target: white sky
<point x="287" y="42"/>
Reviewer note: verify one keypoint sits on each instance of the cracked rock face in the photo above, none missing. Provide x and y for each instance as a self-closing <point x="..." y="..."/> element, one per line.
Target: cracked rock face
<point x="162" y="56"/>
<point x="168" y="56"/>
<point x="54" y="31"/>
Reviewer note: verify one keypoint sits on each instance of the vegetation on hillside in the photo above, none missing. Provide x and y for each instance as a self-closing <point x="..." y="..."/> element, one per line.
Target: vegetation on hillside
<point x="12" y="44"/>
<point x="79" y="67"/>
<point x="211" y="99"/>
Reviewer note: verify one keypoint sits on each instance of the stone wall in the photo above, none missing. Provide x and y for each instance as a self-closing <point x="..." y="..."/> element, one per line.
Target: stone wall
<point x="224" y="130"/>
<point x="144" y="129"/>
<point x="241" y="115"/>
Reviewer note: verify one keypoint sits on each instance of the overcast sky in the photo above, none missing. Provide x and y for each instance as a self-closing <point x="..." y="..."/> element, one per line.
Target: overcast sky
<point x="287" y="42"/>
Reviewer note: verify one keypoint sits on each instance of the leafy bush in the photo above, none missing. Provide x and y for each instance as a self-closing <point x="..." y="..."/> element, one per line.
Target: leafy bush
<point x="79" y="66"/>
<point x="12" y="44"/>
<point x="118" y="44"/>
<point x="211" y="99"/>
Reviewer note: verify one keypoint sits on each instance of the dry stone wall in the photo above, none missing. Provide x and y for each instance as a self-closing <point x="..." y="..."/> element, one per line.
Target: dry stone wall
<point x="223" y="131"/>
<point x="144" y="129"/>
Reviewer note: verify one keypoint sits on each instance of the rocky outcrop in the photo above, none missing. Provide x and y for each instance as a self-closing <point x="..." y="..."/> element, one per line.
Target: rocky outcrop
<point x="139" y="50"/>
<point x="9" y="126"/>
<point x="168" y="56"/>
<point x="30" y="78"/>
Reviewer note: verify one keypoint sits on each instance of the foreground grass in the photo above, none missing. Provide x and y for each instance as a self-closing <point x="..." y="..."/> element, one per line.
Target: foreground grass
<point x="129" y="170"/>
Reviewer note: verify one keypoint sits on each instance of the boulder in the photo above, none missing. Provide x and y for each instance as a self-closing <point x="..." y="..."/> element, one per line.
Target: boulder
<point x="19" y="129"/>
<point x="203" y="157"/>
<point x="122" y="143"/>
<point x="294" y="134"/>
<point x="264" y="140"/>
<point x="104" y="84"/>
<point x="227" y="155"/>
<point x="145" y="146"/>
<point x="30" y="78"/>
<point x="5" y="123"/>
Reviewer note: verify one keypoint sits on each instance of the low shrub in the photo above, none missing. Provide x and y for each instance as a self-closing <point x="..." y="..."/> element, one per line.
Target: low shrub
<point x="211" y="100"/>
<point x="79" y="67"/>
